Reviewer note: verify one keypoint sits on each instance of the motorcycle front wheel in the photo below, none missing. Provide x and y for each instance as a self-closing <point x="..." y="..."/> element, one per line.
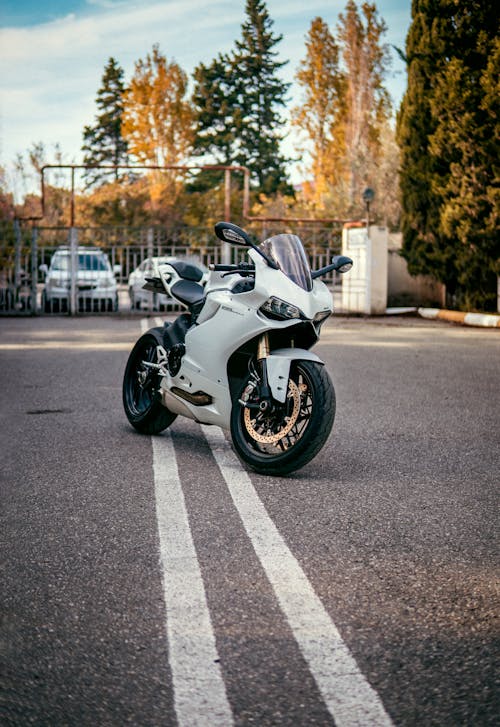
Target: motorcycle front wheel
<point x="285" y="438"/>
<point x="141" y="399"/>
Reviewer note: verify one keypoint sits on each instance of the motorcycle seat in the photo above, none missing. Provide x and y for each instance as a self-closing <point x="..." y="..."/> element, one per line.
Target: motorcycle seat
<point x="188" y="292"/>
<point x="188" y="271"/>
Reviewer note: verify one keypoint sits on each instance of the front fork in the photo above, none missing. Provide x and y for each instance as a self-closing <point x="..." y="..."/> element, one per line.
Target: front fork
<point x="262" y="355"/>
<point x="264" y="390"/>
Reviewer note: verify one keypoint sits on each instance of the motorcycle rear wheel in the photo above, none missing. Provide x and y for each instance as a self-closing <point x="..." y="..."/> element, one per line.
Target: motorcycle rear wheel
<point x="141" y="399"/>
<point x="289" y="437"/>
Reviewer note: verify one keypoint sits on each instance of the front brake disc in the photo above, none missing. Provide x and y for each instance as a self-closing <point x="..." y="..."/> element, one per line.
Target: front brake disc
<point x="265" y="436"/>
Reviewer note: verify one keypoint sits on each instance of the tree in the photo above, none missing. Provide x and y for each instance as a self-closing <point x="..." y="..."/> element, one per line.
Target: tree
<point x="7" y="208"/>
<point x="448" y="131"/>
<point x="27" y="169"/>
<point x="367" y="103"/>
<point x="216" y="110"/>
<point x="320" y="114"/>
<point x="157" y="117"/>
<point x="345" y="111"/>
<point x="261" y="94"/>
<point x="215" y="103"/>
<point x="238" y="98"/>
<point x="103" y="142"/>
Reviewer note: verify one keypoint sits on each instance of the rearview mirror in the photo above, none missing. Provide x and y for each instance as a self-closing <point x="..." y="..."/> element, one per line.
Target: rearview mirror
<point x="341" y="263"/>
<point x="227" y="232"/>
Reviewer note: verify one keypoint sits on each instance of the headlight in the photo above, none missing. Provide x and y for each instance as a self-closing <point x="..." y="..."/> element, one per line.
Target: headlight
<point x="107" y="283"/>
<point x="58" y="283"/>
<point x="277" y="308"/>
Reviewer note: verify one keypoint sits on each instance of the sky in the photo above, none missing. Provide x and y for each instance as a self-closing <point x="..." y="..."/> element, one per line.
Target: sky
<point x="53" y="54"/>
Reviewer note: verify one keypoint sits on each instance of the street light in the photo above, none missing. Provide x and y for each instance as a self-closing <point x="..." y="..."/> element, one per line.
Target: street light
<point x="368" y="196"/>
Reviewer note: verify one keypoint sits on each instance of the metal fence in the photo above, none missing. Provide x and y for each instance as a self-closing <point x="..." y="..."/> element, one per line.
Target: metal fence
<point x="26" y="254"/>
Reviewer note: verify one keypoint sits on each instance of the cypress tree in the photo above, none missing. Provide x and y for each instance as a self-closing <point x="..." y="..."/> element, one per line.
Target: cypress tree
<point x="421" y="246"/>
<point x="448" y="133"/>
<point x="103" y="142"/>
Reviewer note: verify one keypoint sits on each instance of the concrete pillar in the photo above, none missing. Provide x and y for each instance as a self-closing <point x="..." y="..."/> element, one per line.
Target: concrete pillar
<point x="364" y="288"/>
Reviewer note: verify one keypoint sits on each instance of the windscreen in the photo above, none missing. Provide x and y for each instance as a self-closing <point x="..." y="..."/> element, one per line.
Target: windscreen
<point x="85" y="262"/>
<point x="289" y="254"/>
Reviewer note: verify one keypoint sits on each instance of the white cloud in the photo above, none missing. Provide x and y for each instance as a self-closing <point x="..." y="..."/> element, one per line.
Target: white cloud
<point x="50" y="73"/>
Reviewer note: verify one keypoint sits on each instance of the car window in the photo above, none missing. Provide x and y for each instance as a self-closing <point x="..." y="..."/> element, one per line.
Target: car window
<point x="92" y="262"/>
<point x="60" y="262"/>
<point x="86" y="261"/>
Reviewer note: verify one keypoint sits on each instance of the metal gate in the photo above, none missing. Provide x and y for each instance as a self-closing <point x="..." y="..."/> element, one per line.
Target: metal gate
<point x="61" y="270"/>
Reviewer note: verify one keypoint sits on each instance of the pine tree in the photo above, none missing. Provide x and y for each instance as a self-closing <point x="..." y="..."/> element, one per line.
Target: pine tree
<point x="103" y="142"/>
<point x="237" y="100"/>
<point x="216" y="107"/>
<point x="261" y="94"/>
<point x="448" y="131"/>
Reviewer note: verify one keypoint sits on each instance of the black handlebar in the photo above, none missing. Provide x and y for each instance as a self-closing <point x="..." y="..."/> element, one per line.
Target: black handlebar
<point x="240" y="268"/>
<point x="217" y="267"/>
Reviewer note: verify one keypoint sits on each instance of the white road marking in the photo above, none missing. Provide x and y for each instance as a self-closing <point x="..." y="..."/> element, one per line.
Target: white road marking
<point x="144" y="325"/>
<point x="351" y="700"/>
<point x="67" y="344"/>
<point x="199" y="692"/>
<point x="158" y="321"/>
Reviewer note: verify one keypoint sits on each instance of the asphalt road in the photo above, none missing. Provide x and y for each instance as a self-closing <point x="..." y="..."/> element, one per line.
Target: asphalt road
<point x="389" y="536"/>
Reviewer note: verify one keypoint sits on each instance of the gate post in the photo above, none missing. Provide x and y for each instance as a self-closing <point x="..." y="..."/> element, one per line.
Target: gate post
<point x="73" y="269"/>
<point x="17" y="257"/>
<point x="226" y="247"/>
<point x="364" y="289"/>
<point x="34" y="269"/>
<point x="150" y="236"/>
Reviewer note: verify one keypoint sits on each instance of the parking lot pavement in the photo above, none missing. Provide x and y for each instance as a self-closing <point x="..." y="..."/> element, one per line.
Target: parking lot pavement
<point x="386" y="544"/>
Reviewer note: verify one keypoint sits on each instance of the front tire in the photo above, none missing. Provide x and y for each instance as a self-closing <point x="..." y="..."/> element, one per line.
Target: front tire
<point x="141" y="399"/>
<point x="290" y="436"/>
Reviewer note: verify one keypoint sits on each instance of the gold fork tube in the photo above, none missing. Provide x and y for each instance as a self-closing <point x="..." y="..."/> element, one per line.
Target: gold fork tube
<point x="263" y="347"/>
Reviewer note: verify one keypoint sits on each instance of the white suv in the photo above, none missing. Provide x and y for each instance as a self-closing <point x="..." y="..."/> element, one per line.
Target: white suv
<point x="95" y="282"/>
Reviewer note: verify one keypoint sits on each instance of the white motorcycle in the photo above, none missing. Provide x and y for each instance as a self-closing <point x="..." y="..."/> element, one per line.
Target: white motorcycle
<point x="239" y="357"/>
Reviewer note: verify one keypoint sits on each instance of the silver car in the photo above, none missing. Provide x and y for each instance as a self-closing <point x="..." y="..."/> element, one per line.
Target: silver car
<point x="140" y="298"/>
<point x="95" y="282"/>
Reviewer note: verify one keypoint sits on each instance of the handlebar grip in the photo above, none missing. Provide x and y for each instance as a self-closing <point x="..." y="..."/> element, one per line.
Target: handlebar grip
<point x="213" y="266"/>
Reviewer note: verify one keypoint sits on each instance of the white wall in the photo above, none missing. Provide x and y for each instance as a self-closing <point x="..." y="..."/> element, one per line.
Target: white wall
<point x="405" y="289"/>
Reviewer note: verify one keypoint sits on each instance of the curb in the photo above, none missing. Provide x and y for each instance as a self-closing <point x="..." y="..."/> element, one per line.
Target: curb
<point x="486" y="320"/>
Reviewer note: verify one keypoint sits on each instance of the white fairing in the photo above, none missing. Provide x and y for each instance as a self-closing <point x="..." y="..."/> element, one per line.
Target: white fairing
<point x="226" y="322"/>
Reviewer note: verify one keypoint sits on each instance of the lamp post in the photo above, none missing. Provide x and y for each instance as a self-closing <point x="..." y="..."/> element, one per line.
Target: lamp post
<point x="368" y="196"/>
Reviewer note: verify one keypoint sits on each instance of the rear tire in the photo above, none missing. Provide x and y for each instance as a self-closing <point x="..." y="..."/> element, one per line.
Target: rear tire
<point x="288" y="438"/>
<point x="141" y="399"/>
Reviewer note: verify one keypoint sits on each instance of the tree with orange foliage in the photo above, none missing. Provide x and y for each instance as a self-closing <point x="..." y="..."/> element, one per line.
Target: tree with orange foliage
<point x="158" y="123"/>
<point x="321" y="111"/>
<point x="157" y="118"/>
<point x="367" y="103"/>
<point x="345" y="110"/>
